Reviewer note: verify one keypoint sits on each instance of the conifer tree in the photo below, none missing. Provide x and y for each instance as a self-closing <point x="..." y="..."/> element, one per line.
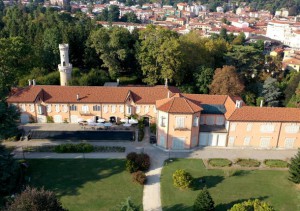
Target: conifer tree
<point x="294" y="168"/>
<point x="204" y="201"/>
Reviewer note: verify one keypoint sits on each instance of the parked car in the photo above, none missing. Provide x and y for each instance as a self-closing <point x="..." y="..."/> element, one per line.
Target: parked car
<point x="152" y="139"/>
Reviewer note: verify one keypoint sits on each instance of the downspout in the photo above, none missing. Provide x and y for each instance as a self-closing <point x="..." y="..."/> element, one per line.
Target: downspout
<point x="227" y="134"/>
<point x="168" y="133"/>
<point x="279" y="135"/>
<point x="69" y="112"/>
<point x="36" y="118"/>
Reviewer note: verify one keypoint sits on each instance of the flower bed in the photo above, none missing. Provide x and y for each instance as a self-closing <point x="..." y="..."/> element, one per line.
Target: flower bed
<point x="247" y="162"/>
<point x="219" y="162"/>
<point x="274" y="163"/>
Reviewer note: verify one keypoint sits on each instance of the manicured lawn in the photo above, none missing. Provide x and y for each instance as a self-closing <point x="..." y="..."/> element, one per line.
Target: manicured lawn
<point x="98" y="184"/>
<point x="268" y="185"/>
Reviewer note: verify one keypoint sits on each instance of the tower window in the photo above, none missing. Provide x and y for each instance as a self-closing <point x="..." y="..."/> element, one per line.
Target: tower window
<point x="64" y="63"/>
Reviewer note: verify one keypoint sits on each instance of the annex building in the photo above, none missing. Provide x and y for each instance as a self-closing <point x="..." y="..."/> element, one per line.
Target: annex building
<point x="183" y="121"/>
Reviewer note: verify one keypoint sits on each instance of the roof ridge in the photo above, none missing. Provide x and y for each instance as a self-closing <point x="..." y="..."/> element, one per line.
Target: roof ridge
<point x="187" y="101"/>
<point x="173" y="98"/>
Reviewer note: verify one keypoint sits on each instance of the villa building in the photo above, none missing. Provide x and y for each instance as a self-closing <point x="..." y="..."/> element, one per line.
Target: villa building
<point x="183" y="121"/>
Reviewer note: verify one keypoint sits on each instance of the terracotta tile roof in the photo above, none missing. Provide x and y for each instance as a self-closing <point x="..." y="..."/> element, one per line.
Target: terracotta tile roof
<point x="206" y="99"/>
<point x="91" y="94"/>
<point x="179" y="104"/>
<point x="260" y="114"/>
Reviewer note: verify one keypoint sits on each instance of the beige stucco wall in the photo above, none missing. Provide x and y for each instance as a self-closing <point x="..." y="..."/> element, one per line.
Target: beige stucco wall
<point x="277" y="137"/>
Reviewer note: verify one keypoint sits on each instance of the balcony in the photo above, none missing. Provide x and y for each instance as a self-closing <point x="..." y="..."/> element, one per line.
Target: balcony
<point x="86" y="113"/>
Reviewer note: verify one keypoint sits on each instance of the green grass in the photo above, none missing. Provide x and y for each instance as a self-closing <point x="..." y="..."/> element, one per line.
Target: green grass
<point x="219" y="162"/>
<point x="276" y="163"/>
<point x="268" y="185"/>
<point x="94" y="184"/>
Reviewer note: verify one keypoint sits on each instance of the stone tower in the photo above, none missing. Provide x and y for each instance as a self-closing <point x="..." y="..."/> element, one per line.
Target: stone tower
<point x="65" y="68"/>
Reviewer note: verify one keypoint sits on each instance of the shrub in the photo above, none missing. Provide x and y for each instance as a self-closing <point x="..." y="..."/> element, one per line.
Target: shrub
<point x="34" y="199"/>
<point x="248" y="162"/>
<point x="276" y="163"/>
<point x="141" y="127"/>
<point x="131" y="166"/>
<point x="182" y="179"/>
<point x="74" y="148"/>
<point x="135" y="162"/>
<point x="255" y="205"/>
<point x="128" y="205"/>
<point x="294" y="168"/>
<point x="219" y="162"/>
<point x="50" y="119"/>
<point x="139" y="177"/>
<point x="153" y="128"/>
<point x="204" y="201"/>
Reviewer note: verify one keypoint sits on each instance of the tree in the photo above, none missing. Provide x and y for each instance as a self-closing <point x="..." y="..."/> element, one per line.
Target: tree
<point x="240" y="39"/>
<point x="113" y="13"/>
<point x="271" y="92"/>
<point x="294" y="168"/>
<point x="9" y="172"/>
<point x="34" y="199"/>
<point x="253" y="205"/>
<point x="204" y="201"/>
<point x="130" y="17"/>
<point x="226" y="82"/>
<point x="9" y="116"/>
<point x="203" y="78"/>
<point x="159" y="55"/>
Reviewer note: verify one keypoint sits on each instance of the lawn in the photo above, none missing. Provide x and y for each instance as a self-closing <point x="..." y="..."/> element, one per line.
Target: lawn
<point x="268" y="185"/>
<point x="98" y="184"/>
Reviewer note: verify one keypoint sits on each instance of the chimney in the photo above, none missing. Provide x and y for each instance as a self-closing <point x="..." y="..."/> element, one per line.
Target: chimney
<point x="168" y="94"/>
<point x="261" y="103"/>
<point x="29" y="82"/>
<point x="118" y="82"/>
<point x="238" y="103"/>
<point x="33" y="82"/>
<point x="166" y="82"/>
<point x="77" y="97"/>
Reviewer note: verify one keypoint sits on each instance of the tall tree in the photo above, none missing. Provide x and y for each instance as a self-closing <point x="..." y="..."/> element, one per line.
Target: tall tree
<point x="294" y="168"/>
<point x="9" y="116"/>
<point x="204" y="77"/>
<point x="271" y="92"/>
<point x="226" y="81"/>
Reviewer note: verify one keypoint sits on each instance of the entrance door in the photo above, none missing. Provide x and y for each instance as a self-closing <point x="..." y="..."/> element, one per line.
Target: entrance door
<point x="289" y="143"/>
<point x="74" y="119"/>
<point x="264" y="142"/>
<point x="146" y="121"/>
<point x="178" y="143"/>
<point x="57" y="119"/>
<point x="231" y="141"/>
<point x="162" y="141"/>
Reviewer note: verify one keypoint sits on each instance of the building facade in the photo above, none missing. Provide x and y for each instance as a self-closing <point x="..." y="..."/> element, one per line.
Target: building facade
<point x="184" y="121"/>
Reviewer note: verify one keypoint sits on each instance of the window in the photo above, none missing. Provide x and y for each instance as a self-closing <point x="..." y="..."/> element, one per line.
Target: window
<point x="128" y="109"/>
<point x="96" y="108"/>
<point x="247" y="141"/>
<point x="138" y="109"/>
<point x="65" y="108"/>
<point x="146" y="109"/>
<point x="23" y="107"/>
<point x="85" y="109"/>
<point x="121" y="108"/>
<point x="179" y="122"/>
<point x="40" y="109"/>
<point x="105" y="109"/>
<point x="113" y="109"/>
<point x="232" y="126"/>
<point x="73" y="108"/>
<point x="293" y="128"/>
<point x="289" y="143"/>
<point x="264" y="142"/>
<point x="202" y="120"/>
<point x="220" y="120"/>
<point x="210" y="120"/>
<point x="49" y="108"/>
<point x="57" y="109"/>
<point x="249" y="127"/>
<point x="31" y="108"/>
<point x="195" y="122"/>
<point x="163" y="121"/>
<point x="267" y="128"/>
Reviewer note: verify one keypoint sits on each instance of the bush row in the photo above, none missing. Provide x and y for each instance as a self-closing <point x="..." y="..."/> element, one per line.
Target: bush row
<point x="74" y="148"/>
<point x="273" y="163"/>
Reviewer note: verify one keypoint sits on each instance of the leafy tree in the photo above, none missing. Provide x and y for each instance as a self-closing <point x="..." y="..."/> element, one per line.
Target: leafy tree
<point x="9" y="115"/>
<point x="130" y="17"/>
<point x="116" y="49"/>
<point x="255" y="205"/>
<point x="271" y="92"/>
<point x="203" y="78"/>
<point x="240" y="39"/>
<point x="9" y="172"/>
<point x="182" y="179"/>
<point x="159" y="55"/>
<point x="292" y="82"/>
<point x="226" y="81"/>
<point x="128" y="205"/>
<point x="34" y="199"/>
<point x="223" y="33"/>
<point x="294" y="168"/>
<point x="113" y="13"/>
<point x="204" y="201"/>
